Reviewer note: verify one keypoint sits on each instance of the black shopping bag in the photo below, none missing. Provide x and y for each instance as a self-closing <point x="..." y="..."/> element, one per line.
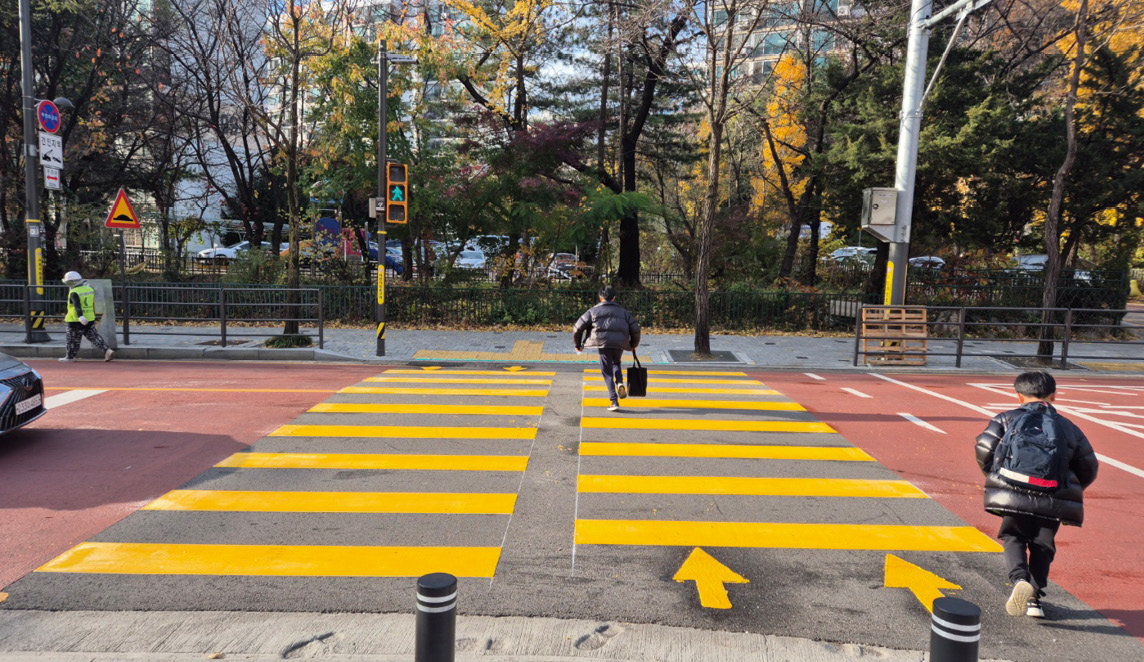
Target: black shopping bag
<point x="637" y="378"/>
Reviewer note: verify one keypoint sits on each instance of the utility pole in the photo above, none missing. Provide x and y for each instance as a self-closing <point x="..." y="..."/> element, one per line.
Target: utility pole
<point x="913" y="94"/>
<point x="34" y="320"/>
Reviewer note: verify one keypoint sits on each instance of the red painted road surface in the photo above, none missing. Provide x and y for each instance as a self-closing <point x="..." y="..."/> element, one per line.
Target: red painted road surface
<point x="1100" y="563"/>
<point x="90" y="463"/>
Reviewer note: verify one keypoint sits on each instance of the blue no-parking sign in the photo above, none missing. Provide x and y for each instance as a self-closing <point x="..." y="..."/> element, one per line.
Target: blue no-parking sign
<point x="49" y="116"/>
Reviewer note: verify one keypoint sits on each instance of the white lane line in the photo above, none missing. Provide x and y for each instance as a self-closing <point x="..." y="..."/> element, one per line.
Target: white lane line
<point x="1100" y="456"/>
<point x="68" y="397"/>
<point x="856" y="392"/>
<point x="919" y="422"/>
<point x="814" y="376"/>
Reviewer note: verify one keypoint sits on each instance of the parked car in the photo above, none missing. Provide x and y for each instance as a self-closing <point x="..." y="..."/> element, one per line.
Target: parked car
<point x="927" y="262"/>
<point x="847" y="253"/>
<point x="21" y="394"/>
<point x="469" y="259"/>
<point x="224" y="254"/>
<point x="392" y="258"/>
<point x="1032" y="262"/>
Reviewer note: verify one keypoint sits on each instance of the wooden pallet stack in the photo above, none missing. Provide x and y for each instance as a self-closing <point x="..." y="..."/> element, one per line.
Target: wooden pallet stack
<point x="894" y="335"/>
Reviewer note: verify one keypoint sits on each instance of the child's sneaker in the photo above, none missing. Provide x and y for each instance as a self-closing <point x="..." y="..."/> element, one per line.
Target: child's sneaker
<point x="108" y="355"/>
<point x="621" y="391"/>
<point x="1033" y="608"/>
<point x="615" y="406"/>
<point x="1018" y="601"/>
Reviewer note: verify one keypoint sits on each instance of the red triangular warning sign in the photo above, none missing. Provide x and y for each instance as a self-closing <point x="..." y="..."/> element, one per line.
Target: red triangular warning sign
<point x="122" y="214"/>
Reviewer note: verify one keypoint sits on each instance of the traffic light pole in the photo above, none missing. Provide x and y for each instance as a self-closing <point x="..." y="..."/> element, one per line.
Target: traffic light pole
<point x="34" y="323"/>
<point x="382" y="75"/>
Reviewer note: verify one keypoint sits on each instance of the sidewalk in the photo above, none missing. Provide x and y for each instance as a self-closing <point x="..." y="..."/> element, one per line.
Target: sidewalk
<point x="262" y="637"/>
<point x="787" y="352"/>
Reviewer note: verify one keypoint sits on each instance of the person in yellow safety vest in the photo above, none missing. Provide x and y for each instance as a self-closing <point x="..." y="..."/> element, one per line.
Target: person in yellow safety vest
<point x="81" y="317"/>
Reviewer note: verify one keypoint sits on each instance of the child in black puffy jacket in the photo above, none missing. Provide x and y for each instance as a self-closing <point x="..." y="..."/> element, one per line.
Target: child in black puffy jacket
<point x="1030" y="516"/>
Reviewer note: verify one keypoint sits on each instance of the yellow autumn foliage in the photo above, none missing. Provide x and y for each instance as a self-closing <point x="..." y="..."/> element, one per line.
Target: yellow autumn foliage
<point x="790" y="75"/>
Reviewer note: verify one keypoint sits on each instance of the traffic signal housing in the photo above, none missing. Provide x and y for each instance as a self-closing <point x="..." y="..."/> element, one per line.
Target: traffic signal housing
<point x="396" y="193"/>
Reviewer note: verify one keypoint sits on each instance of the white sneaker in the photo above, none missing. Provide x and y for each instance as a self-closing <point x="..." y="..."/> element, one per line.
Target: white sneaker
<point x="107" y="356"/>
<point x="66" y="360"/>
<point x="621" y="391"/>
<point x="615" y="406"/>
<point x="1018" y="602"/>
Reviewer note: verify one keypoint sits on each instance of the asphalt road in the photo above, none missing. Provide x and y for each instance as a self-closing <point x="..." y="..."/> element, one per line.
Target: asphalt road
<point x="816" y="509"/>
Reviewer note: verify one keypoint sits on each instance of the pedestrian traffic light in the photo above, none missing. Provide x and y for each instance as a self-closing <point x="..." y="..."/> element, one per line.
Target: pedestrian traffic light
<point x="396" y="193"/>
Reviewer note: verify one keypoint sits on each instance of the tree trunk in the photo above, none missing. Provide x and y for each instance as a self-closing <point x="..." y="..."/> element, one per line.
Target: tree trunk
<point x="629" y="268"/>
<point x="294" y="213"/>
<point x="1056" y="202"/>
<point x="703" y="259"/>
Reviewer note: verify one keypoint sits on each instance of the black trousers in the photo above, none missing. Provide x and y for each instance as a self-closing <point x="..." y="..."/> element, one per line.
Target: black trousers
<point x="1030" y="545"/>
<point x="610" y="365"/>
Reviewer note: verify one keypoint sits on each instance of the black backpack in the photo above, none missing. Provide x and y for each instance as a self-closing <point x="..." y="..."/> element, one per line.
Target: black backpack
<point x="1030" y="455"/>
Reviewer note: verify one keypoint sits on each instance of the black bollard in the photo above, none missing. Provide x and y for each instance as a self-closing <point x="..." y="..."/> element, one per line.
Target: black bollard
<point x="955" y="631"/>
<point x="436" y="618"/>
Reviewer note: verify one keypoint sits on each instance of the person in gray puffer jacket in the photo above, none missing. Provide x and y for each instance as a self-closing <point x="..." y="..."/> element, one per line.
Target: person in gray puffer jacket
<point x="1029" y="518"/>
<point x="611" y="330"/>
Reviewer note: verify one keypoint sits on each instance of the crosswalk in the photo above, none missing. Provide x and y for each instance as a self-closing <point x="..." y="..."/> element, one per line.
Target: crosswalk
<point x="434" y="481"/>
<point x="414" y="471"/>
<point x="649" y="474"/>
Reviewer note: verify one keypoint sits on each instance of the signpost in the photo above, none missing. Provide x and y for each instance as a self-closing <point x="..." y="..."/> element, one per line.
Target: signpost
<point x="121" y="216"/>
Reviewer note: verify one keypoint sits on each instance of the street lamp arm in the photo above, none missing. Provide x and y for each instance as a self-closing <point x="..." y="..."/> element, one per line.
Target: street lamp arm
<point x="964" y="6"/>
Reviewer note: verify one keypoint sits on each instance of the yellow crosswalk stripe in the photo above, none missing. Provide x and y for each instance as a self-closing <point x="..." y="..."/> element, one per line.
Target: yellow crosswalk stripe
<point x="670" y="380"/>
<point x="734" y="485"/>
<point x="459" y="380"/>
<point x="695" y="390"/>
<point x="403" y="432"/>
<point x="729" y="451"/>
<point x="274" y="560"/>
<point x="702" y="424"/>
<point x="694" y="373"/>
<point x="335" y="502"/>
<point x="400" y="371"/>
<point x="400" y="408"/>
<point x="394" y="390"/>
<point x="376" y="461"/>
<point x="771" y="535"/>
<point x="645" y="403"/>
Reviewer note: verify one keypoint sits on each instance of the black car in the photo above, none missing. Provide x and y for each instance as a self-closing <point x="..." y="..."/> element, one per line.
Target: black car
<point x="21" y="394"/>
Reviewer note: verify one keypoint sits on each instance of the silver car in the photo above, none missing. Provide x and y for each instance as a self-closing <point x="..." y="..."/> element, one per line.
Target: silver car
<point x="21" y="394"/>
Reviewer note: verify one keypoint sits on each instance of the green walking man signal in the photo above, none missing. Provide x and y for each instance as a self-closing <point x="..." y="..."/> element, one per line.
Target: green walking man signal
<point x="397" y="187"/>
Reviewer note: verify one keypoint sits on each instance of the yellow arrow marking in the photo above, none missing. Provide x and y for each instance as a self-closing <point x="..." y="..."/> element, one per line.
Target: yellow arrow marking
<point x="515" y="368"/>
<point x="709" y="576"/>
<point x="428" y="367"/>
<point x="3" y="597"/>
<point x="925" y="585"/>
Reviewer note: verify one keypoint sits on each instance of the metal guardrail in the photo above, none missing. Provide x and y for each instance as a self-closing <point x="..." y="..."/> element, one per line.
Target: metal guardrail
<point x="234" y="309"/>
<point x="959" y="324"/>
